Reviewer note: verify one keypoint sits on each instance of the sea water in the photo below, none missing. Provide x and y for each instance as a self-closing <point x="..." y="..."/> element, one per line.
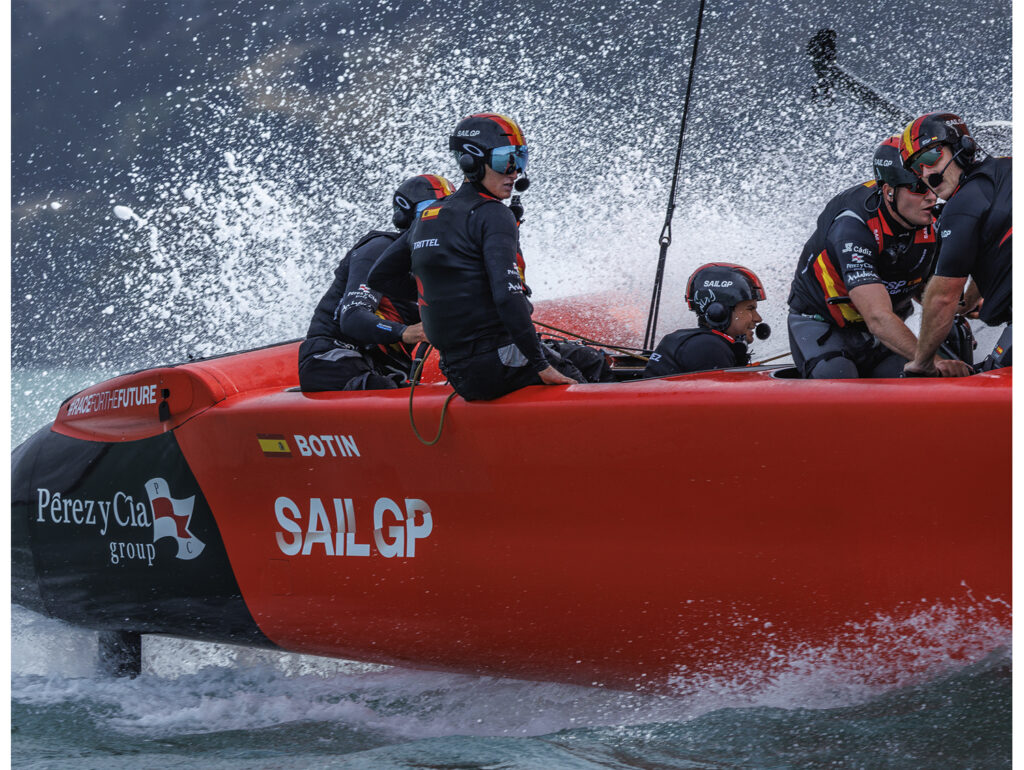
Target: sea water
<point x="224" y="235"/>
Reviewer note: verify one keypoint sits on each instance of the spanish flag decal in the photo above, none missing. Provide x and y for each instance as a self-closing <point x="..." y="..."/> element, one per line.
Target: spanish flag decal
<point x="430" y="213"/>
<point x="274" y="445"/>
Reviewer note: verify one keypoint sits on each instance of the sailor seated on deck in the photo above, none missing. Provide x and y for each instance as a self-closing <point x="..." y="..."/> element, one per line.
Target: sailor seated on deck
<point x="724" y="297"/>
<point x="470" y="273"/>
<point x="360" y="339"/>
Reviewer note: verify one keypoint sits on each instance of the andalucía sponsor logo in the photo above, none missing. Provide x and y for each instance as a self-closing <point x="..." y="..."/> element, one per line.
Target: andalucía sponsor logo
<point x="128" y="526"/>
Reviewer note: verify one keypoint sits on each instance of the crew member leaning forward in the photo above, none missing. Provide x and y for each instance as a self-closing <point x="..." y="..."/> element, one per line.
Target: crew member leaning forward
<point x="871" y="254"/>
<point x="975" y="230"/>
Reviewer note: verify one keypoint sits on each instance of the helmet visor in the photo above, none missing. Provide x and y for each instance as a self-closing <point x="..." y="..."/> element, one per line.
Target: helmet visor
<point x="926" y="157"/>
<point x="506" y="160"/>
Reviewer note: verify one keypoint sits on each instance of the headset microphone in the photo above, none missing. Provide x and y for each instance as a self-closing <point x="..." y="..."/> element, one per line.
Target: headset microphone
<point x="516" y="204"/>
<point x="762" y="331"/>
<point x="522" y="183"/>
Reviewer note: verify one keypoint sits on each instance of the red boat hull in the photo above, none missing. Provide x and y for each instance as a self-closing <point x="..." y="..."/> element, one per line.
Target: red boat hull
<point x="625" y="534"/>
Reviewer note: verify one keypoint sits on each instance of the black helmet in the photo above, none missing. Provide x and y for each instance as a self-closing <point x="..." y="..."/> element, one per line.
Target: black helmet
<point x="477" y="137"/>
<point x="414" y="191"/>
<point x="933" y="130"/>
<point x="888" y="166"/>
<point x="716" y="288"/>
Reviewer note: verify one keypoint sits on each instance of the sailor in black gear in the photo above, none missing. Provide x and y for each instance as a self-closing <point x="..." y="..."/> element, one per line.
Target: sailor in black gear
<point x="360" y="339"/>
<point x="464" y="253"/>
<point x="724" y="297"/>
<point x="871" y="254"/>
<point x="975" y="233"/>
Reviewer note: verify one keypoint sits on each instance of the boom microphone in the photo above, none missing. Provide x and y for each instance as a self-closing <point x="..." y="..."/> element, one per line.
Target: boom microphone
<point x="763" y="331"/>
<point x="522" y="183"/>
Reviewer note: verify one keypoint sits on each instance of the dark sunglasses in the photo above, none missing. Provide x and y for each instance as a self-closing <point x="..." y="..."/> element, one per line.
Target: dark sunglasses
<point x="927" y="157"/>
<point x="920" y="187"/>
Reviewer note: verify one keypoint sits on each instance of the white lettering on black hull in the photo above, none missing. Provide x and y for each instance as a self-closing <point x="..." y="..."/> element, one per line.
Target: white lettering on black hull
<point x="164" y="516"/>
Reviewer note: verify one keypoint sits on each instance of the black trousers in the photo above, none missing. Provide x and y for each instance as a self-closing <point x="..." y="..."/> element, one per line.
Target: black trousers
<point x="824" y="351"/>
<point x="489" y="374"/>
<point x="334" y="365"/>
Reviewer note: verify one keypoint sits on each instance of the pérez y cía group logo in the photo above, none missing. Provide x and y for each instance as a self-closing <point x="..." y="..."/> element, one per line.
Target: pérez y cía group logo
<point x="122" y="521"/>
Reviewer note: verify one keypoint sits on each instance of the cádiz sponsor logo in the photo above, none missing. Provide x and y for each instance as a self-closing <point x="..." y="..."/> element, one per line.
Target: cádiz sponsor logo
<point x="324" y="445"/>
<point x="168" y="517"/>
<point x="109" y="400"/>
<point x="305" y="530"/>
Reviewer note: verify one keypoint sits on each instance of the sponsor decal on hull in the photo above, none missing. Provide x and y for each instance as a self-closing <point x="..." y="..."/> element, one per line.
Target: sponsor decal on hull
<point x="110" y="400"/>
<point x="274" y="444"/>
<point x="330" y="528"/>
<point x="122" y="520"/>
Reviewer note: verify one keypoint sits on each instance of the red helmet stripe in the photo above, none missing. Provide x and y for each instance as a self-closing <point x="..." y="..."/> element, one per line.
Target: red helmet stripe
<point x="912" y="137"/>
<point x="508" y="126"/>
<point x="441" y="187"/>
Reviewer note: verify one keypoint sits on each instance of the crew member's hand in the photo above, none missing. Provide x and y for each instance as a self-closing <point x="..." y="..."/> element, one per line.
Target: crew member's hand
<point x="551" y="376"/>
<point x="949" y="367"/>
<point x="914" y="369"/>
<point x="414" y="334"/>
<point x="975" y="312"/>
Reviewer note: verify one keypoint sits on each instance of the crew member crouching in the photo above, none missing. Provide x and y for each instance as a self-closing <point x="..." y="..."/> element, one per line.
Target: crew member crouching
<point x="724" y="297"/>
<point x="361" y="339"/>
<point x="873" y="252"/>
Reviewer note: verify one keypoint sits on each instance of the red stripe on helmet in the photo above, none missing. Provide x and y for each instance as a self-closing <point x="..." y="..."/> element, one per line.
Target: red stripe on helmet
<point x="439" y="184"/>
<point x="508" y="126"/>
<point x="911" y="140"/>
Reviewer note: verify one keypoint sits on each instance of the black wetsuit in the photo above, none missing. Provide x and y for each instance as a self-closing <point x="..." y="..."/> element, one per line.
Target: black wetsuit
<point x="354" y="339"/>
<point x="976" y="240"/>
<point x="857" y="242"/>
<point x="695" y="350"/>
<point x="976" y="236"/>
<point x="464" y="254"/>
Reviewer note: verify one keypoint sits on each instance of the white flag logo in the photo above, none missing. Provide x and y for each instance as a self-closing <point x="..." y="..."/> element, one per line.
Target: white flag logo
<point x="171" y="518"/>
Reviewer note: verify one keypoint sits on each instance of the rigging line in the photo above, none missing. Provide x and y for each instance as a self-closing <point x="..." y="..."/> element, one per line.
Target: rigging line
<point x="625" y="350"/>
<point x="666" y="232"/>
<point x="444" y="408"/>
<point x="772" y="358"/>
